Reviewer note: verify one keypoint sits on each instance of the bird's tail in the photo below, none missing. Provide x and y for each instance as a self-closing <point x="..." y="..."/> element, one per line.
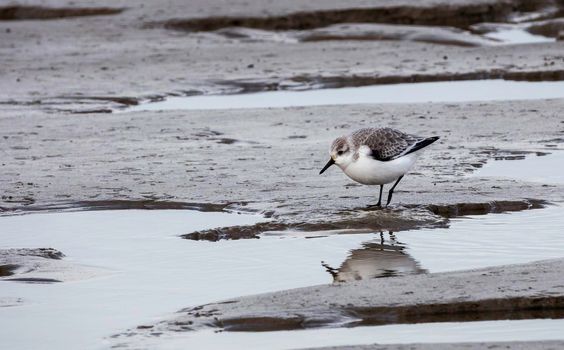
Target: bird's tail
<point x="422" y="144"/>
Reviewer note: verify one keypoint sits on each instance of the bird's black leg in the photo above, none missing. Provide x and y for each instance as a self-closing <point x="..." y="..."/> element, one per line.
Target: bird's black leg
<point x="392" y="190"/>
<point x="379" y="204"/>
<point x="332" y="271"/>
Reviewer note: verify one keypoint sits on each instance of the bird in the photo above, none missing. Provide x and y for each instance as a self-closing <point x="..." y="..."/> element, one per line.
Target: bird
<point x="377" y="156"/>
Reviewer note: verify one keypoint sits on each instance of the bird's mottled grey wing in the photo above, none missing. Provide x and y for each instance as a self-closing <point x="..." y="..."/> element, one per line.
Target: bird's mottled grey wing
<point x="385" y="143"/>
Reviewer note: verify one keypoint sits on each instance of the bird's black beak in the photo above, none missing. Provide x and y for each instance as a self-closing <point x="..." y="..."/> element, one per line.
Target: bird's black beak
<point x="329" y="163"/>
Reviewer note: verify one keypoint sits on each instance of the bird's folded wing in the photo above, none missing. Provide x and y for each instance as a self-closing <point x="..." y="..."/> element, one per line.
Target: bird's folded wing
<point x="386" y="144"/>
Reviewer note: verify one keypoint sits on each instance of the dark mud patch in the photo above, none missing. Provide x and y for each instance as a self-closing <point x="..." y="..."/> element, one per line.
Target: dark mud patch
<point x="47" y="253"/>
<point x="19" y="13"/>
<point x="33" y="280"/>
<point x="353" y="81"/>
<point x="454" y="15"/>
<point x="87" y="111"/>
<point x="122" y="100"/>
<point x="369" y="220"/>
<point x="464" y="209"/>
<point x="485" y="310"/>
<point x="308" y="82"/>
<point x="551" y="28"/>
<point x="7" y="269"/>
<point x="226" y="141"/>
<point x="146" y="204"/>
<point x="269" y="324"/>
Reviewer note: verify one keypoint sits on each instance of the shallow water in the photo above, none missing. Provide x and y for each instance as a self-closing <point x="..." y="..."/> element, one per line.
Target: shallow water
<point x="520" y="330"/>
<point x="454" y="91"/>
<point x="151" y="272"/>
<point x="517" y="35"/>
<point x="548" y="169"/>
<point x="470" y="242"/>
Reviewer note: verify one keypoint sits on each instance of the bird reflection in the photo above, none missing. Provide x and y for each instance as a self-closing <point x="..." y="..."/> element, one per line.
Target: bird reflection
<point x="376" y="260"/>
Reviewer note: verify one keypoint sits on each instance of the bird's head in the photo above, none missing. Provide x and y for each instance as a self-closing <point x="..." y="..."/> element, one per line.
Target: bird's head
<point x="341" y="154"/>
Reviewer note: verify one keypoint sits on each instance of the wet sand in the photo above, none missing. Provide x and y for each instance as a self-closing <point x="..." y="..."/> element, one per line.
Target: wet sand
<point x="272" y="164"/>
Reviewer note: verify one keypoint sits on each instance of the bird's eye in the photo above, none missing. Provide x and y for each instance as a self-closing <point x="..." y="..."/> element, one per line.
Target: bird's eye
<point x="340" y="153"/>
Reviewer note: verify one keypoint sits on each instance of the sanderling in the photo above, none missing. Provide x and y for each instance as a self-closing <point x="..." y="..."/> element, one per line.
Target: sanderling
<point x="377" y="156"/>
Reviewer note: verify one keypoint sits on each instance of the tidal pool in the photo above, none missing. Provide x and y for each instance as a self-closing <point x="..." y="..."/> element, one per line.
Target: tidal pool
<point x="151" y="272"/>
<point x="546" y="168"/>
<point x="512" y="35"/>
<point x="449" y="91"/>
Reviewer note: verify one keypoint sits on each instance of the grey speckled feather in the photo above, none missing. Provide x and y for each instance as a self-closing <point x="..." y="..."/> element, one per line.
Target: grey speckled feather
<point x="387" y="143"/>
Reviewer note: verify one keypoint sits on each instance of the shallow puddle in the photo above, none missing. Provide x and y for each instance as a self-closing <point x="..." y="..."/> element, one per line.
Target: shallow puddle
<point x="545" y="168"/>
<point x="151" y="272"/>
<point x="453" y="91"/>
<point x="515" y="35"/>
<point x="519" y="330"/>
<point x="510" y="34"/>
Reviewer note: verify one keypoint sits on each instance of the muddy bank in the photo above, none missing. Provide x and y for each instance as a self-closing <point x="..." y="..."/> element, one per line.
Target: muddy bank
<point x="457" y="14"/>
<point x="373" y="220"/>
<point x="551" y="28"/>
<point x="20" y="13"/>
<point x="514" y="292"/>
<point x="29" y="265"/>
<point x="40" y="265"/>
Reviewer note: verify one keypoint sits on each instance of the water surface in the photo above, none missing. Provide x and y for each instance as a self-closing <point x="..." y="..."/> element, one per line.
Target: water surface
<point x="511" y="35"/>
<point x="454" y="91"/>
<point x="547" y="168"/>
<point x="151" y="272"/>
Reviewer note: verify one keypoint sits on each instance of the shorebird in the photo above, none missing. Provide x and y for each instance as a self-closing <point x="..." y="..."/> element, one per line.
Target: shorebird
<point x="377" y="156"/>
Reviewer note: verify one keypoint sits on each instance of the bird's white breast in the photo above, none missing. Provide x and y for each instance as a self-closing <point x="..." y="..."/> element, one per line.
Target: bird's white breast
<point x="369" y="171"/>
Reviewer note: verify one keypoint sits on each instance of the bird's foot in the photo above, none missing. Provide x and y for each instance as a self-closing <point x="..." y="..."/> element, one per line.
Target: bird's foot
<point x="375" y="206"/>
